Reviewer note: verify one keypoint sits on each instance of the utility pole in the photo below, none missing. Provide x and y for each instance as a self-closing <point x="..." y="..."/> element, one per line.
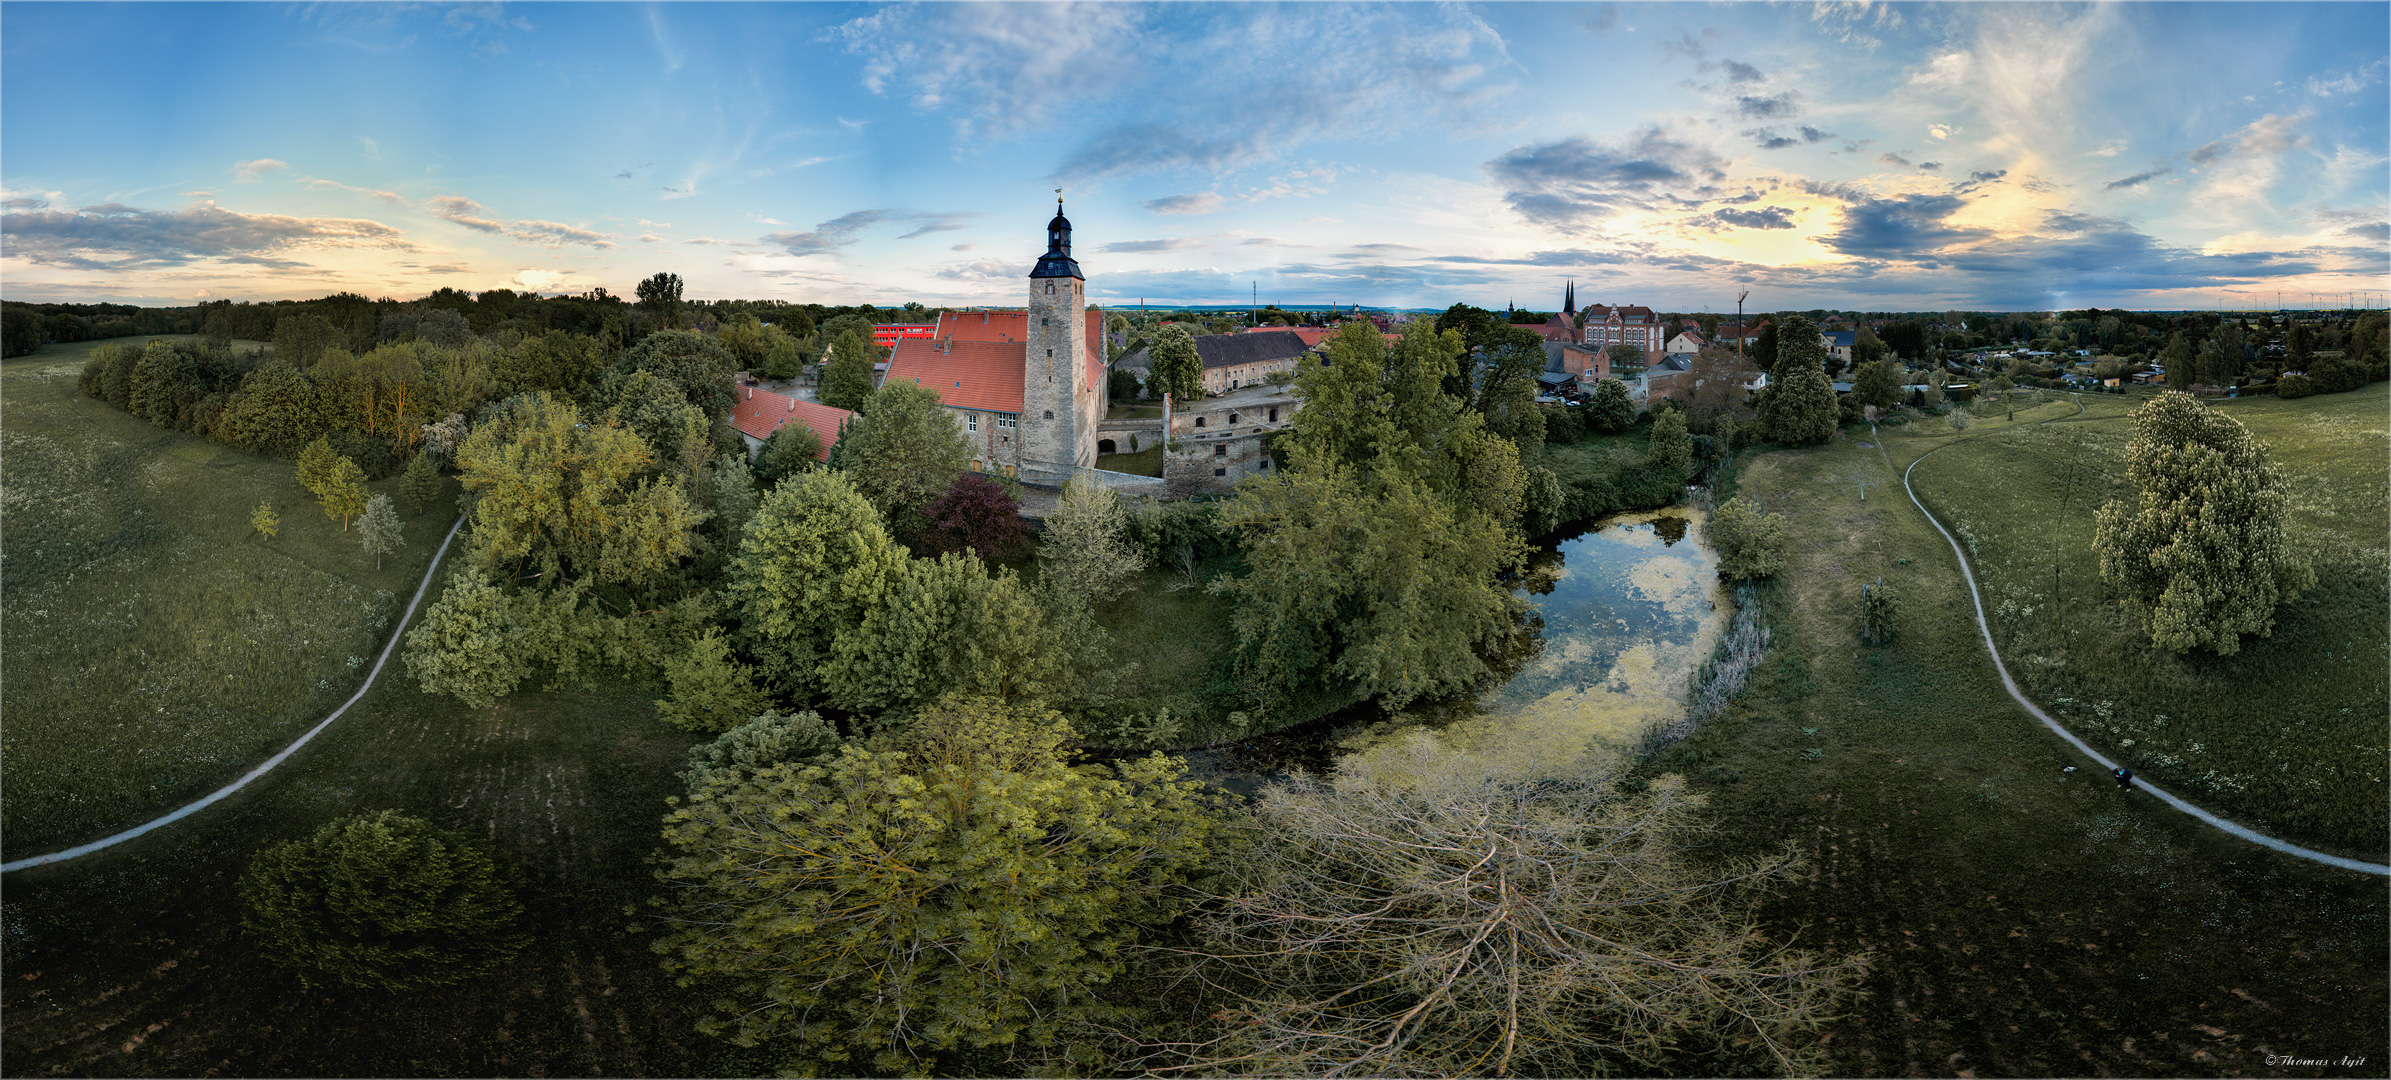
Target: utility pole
<point x="1739" y="330"/>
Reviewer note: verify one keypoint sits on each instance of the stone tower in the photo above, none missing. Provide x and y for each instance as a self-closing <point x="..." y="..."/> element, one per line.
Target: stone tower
<point x="1061" y="398"/>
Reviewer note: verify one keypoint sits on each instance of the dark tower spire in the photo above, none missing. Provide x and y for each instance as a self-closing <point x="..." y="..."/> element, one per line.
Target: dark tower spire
<point x="1057" y="262"/>
<point x="1569" y="299"/>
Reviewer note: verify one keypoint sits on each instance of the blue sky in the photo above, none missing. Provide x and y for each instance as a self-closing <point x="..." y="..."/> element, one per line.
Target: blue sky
<point x="1847" y="155"/>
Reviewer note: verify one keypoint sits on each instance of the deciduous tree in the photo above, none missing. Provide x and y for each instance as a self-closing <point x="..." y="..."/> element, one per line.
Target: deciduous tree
<point x="379" y="529"/>
<point x="421" y="483"/>
<point x="981" y="896"/>
<point x="1610" y="411"/>
<point x="2204" y="548"/>
<point x="1800" y="407"/>
<point x="565" y="499"/>
<point x="264" y="520"/>
<point x="1751" y="542"/>
<point x="1672" y="450"/>
<point x="1089" y="557"/>
<point x="793" y="448"/>
<point x="711" y="690"/>
<point x="466" y="644"/>
<point x="1173" y="366"/>
<point x="1877" y="383"/>
<point x="382" y="902"/>
<point x="847" y="380"/>
<point x="813" y="564"/>
<point x="343" y="495"/>
<point x="903" y="450"/>
<point x="1485" y="926"/>
<point x="975" y="514"/>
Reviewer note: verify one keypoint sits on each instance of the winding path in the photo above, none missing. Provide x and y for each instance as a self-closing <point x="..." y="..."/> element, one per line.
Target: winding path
<point x="2010" y="684"/>
<point x="268" y="766"/>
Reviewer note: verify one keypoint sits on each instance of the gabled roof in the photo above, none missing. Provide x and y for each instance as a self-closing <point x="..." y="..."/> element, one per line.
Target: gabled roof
<point x="1311" y="335"/>
<point x="1222" y="350"/>
<point x="967" y="374"/>
<point x="762" y="412"/>
<point x="1841" y="339"/>
<point x="1636" y="314"/>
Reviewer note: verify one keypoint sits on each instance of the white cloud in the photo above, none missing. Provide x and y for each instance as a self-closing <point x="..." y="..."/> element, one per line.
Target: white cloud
<point x="1202" y="202"/>
<point x="557" y="234"/>
<point x="1941" y="131"/>
<point x="463" y="211"/>
<point x="335" y="185"/>
<point x="250" y="172"/>
<point x="372" y="149"/>
<point x="2349" y="83"/>
<point x="541" y="280"/>
<point x="115" y="237"/>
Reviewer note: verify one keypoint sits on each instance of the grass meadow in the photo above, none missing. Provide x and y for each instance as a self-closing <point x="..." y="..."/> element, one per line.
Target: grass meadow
<point x="2286" y="736"/>
<point x="2024" y="920"/>
<point x="155" y="646"/>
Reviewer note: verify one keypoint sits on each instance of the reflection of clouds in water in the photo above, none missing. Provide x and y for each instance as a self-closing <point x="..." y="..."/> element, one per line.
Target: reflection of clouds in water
<point x="1643" y="683"/>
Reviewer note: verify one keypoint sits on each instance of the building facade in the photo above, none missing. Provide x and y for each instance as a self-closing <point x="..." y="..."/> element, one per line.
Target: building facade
<point x="1638" y="326"/>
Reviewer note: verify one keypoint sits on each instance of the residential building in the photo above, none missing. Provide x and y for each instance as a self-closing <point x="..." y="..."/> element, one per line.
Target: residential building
<point x="1235" y="361"/>
<point x="1687" y="343"/>
<point x="761" y="412"/>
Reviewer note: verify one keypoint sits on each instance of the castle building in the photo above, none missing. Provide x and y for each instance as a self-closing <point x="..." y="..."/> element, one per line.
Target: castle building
<point x="1026" y="388"/>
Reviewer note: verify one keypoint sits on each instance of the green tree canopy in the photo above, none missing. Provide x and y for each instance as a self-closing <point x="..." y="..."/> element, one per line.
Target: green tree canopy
<point x="277" y="411"/>
<point x="1877" y="383"/>
<point x="1173" y="366"/>
<point x="695" y="363"/>
<point x="957" y="885"/>
<point x="793" y="448"/>
<point x="1088" y="554"/>
<point x="815" y="561"/>
<point x="2204" y="548"/>
<point x="1751" y="542"/>
<point x="847" y="380"/>
<point x="565" y="499"/>
<point x="1610" y="411"/>
<point x="1799" y="408"/>
<point x="382" y="902"/>
<point x="711" y="690"/>
<point x="904" y="450"/>
<point x="1672" y="450"/>
<point x="379" y="529"/>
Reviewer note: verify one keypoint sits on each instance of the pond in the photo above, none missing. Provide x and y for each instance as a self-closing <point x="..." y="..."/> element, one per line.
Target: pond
<point x="1631" y="605"/>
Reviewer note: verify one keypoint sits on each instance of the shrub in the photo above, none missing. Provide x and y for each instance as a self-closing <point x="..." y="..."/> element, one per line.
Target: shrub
<point x="711" y="691"/>
<point x="1880" y="612"/>
<point x="975" y="514"/>
<point x="385" y="902"/>
<point x="773" y="738"/>
<point x="1751" y="544"/>
<point x="2294" y="385"/>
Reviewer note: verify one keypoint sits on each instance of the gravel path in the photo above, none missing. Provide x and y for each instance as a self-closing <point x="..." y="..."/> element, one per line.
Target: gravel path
<point x="261" y="770"/>
<point x="2010" y="684"/>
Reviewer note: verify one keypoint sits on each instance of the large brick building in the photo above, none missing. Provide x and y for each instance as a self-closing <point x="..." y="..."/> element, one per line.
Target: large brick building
<point x="1025" y="387"/>
<point x="1638" y="326"/>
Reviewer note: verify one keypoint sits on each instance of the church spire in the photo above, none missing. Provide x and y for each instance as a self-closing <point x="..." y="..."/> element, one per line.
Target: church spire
<point x="1569" y="299"/>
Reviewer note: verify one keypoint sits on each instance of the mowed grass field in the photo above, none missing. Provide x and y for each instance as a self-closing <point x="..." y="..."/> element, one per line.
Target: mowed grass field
<point x="2024" y="920"/>
<point x="2287" y="736"/>
<point x="154" y="647"/>
<point x="131" y="961"/>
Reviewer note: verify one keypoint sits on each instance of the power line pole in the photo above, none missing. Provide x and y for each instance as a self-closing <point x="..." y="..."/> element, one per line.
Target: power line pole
<point x="1739" y="330"/>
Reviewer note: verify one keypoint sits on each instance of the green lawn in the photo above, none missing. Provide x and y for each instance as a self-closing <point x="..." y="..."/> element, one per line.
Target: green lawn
<point x="2288" y="735"/>
<point x="1123" y="411"/>
<point x="155" y="647"/>
<point x="2024" y="920"/>
<point x="1146" y="462"/>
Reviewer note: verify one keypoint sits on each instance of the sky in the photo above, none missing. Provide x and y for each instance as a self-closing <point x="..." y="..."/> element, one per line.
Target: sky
<point x="1977" y="156"/>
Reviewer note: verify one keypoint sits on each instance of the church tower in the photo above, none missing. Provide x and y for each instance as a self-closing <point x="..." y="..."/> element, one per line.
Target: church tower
<point x="1569" y="302"/>
<point x="1062" y="398"/>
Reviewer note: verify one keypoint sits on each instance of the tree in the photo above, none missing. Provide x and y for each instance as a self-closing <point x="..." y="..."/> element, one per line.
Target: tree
<point x="1489" y="926"/>
<point x="975" y="514"/>
<point x="813" y="564"/>
<point x="1751" y="542"/>
<point x="1672" y="450"/>
<point x="691" y="361"/>
<point x="1800" y="407"/>
<point x="378" y="529"/>
<point x="847" y="381"/>
<point x="1610" y="411"/>
<point x="903" y="450"/>
<point x="1718" y="390"/>
<point x="300" y="340"/>
<point x="784" y="357"/>
<point x="1173" y="367"/>
<point x="1764" y="346"/>
<point x="772" y="738"/>
<point x="318" y="465"/>
<point x="982" y="897"/>
<point x="1088" y="556"/>
<point x="466" y="644"/>
<point x="733" y="498"/>
<point x="2205" y="548"/>
<point x="343" y="495"/>
<point x="2177" y="357"/>
<point x="793" y="448"/>
<point x="264" y="520"/>
<point x="661" y="295"/>
<point x="2220" y="360"/>
<point x="421" y="484"/>
<point x="1877" y="383"/>
<point x="566" y="500"/>
<point x="1625" y="357"/>
<point x="382" y="902"/>
<point x="1867" y="348"/>
<point x="276" y="411"/>
<point x="711" y="691"/>
<point x="163" y="384"/>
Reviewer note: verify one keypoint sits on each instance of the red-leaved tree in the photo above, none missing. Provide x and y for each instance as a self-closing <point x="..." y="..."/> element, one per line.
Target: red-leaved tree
<point x="975" y="513"/>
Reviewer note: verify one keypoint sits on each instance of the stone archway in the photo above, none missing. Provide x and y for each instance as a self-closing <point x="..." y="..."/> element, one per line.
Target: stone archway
<point x="1105" y="446"/>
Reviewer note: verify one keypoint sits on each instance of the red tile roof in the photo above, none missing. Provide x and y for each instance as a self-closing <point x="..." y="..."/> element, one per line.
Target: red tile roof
<point x="762" y="412"/>
<point x="1013" y="326"/>
<point x="966" y="374"/>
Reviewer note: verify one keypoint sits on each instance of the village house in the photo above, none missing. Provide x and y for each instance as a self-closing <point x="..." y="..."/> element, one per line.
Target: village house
<point x="761" y="412"/>
<point x="1235" y="361"/>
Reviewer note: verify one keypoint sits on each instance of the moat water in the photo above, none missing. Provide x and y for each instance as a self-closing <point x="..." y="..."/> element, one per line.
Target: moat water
<point x="1630" y="606"/>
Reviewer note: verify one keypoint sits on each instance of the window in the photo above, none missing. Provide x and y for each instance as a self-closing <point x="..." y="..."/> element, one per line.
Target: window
<point x="1042" y="320"/>
<point x="972" y="423"/>
<point x="1220" y="449"/>
<point x="1050" y="414"/>
<point x="1199" y="421"/>
<point x="1274" y="416"/>
<point x="1232" y="418"/>
<point x="1265" y="464"/>
<point x="1220" y="472"/>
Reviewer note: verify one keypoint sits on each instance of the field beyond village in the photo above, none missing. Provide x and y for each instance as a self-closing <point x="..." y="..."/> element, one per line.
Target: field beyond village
<point x="2022" y="920"/>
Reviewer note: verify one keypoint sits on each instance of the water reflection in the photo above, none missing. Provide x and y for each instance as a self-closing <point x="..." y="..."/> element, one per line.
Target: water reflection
<point x="1628" y="612"/>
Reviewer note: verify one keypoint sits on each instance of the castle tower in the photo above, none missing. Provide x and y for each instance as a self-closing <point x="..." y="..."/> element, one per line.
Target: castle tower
<point x="1062" y="398"/>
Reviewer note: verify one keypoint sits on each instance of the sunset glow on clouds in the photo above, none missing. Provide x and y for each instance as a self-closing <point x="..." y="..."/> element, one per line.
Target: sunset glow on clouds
<point x="1839" y="154"/>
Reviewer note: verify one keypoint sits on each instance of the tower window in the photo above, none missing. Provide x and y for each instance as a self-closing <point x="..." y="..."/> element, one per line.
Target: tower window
<point x="1199" y="421"/>
<point x="1220" y="449"/>
<point x="1050" y="414"/>
<point x="1274" y="416"/>
<point x="1232" y="418"/>
<point x="1220" y="472"/>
